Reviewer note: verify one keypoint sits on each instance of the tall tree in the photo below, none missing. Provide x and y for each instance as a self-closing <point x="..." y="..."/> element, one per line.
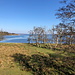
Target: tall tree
<point x="67" y="16"/>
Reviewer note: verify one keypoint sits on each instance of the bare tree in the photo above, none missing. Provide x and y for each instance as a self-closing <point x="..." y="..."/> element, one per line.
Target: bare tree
<point x="67" y="16"/>
<point x="38" y="35"/>
<point x="67" y="12"/>
<point x="52" y="35"/>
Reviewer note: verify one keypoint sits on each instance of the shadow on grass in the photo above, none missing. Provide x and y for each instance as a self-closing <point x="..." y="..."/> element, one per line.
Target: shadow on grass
<point x="44" y="65"/>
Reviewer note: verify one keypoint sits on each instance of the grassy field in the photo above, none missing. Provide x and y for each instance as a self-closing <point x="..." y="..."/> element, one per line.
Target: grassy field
<point x="26" y="59"/>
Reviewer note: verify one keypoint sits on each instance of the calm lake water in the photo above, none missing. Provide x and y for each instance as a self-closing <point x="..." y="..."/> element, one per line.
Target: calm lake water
<point x="15" y="39"/>
<point x="20" y="39"/>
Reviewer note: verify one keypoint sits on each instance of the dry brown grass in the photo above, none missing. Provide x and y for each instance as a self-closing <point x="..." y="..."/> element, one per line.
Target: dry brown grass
<point x="7" y="50"/>
<point x="7" y="65"/>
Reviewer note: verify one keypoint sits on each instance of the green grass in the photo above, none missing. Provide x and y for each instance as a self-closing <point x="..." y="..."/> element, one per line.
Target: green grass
<point x="13" y="57"/>
<point x="8" y="49"/>
<point x="13" y="71"/>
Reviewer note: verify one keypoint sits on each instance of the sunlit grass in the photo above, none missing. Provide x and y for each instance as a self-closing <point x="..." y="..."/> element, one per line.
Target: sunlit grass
<point x="7" y="66"/>
<point x="7" y="50"/>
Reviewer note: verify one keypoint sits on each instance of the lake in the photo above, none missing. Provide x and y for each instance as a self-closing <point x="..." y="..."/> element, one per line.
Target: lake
<point x="15" y="39"/>
<point x="21" y="39"/>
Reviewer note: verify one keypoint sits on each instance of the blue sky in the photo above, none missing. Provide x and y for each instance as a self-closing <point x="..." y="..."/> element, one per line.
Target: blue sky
<point x="20" y="16"/>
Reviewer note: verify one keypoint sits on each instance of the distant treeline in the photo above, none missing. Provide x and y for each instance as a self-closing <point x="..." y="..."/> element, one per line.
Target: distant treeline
<point x="6" y="33"/>
<point x="2" y="33"/>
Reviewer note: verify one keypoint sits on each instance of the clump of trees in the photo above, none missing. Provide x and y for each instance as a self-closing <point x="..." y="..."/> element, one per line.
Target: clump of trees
<point x="38" y="35"/>
<point x="62" y="33"/>
<point x="67" y="16"/>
